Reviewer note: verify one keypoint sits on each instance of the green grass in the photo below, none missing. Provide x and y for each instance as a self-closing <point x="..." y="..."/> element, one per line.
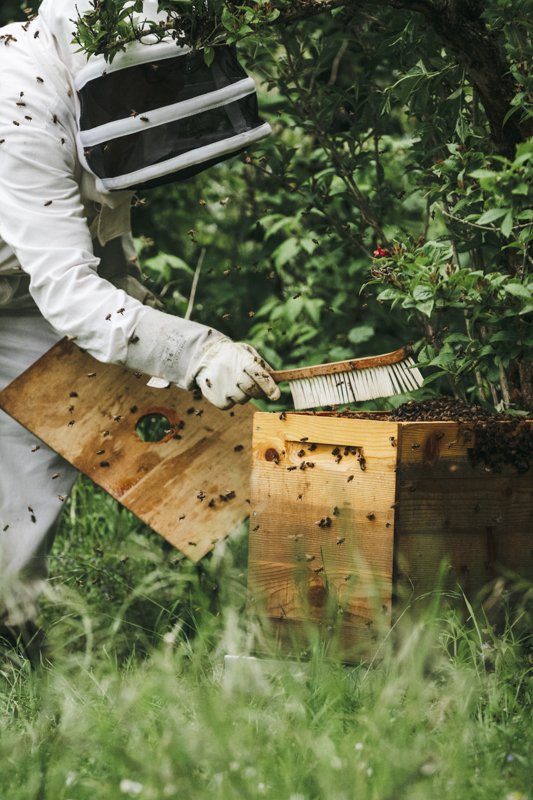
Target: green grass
<point x="136" y="703"/>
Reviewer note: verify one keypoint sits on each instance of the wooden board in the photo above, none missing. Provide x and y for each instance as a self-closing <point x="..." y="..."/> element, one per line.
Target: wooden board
<point x="474" y="523"/>
<point x="321" y="536"/>
<point x="181" y="486"/>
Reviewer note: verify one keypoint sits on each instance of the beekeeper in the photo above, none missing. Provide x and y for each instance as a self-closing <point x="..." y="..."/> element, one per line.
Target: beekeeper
<point x="77" y="137"/>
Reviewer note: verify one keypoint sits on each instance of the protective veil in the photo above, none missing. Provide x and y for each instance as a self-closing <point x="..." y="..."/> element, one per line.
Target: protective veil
<point x="66" y="251"/>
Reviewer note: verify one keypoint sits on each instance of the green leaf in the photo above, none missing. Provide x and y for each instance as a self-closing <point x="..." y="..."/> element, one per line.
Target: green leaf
<point x="209" y="55"/>
<point x="491" y="215"/>
<point x="286" y="252"/>
<point x="507" y="225"/>
<point x="360" y="334"/>
<point x="519" y="290"/>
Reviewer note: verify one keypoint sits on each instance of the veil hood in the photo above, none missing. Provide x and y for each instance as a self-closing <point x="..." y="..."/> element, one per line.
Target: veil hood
<point x="158" y="112"/>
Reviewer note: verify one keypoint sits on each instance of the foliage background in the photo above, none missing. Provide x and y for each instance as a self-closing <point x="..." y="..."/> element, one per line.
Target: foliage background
<point x="382" y="138"/>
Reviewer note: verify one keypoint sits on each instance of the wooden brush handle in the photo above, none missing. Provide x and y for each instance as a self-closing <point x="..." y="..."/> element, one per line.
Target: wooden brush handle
<point x="384" y="360"/>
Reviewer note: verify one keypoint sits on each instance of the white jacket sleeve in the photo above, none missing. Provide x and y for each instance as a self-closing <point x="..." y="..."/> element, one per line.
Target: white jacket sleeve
<point x="42" y="217"/>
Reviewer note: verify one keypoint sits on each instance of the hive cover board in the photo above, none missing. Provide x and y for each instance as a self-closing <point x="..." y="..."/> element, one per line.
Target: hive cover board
<point x="192" y="487"/>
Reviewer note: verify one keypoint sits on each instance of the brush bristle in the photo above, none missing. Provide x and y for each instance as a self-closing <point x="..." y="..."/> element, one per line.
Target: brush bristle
<point x="356" y="386"/>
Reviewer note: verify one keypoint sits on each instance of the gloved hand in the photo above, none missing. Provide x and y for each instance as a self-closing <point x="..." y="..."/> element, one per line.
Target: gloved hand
<point x="232" y="372"/>
<point x="188" y="354"/>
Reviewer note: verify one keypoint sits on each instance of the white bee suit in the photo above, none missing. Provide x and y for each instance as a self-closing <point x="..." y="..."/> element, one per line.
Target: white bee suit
<point x="65" y="260"/>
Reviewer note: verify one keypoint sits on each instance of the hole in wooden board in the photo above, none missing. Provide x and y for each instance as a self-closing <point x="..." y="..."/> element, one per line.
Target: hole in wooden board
<point x="153" y="427"/>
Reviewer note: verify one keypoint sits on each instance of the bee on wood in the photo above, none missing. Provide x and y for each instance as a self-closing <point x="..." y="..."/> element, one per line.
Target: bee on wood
<point x="227" y="496"/>
<point x="56" y="475"/>
<point x="121" y="311"/>
<point x="201" y="496"/>
<point x="350" y="478"/>
<point x="341" y="539"/>
<point x="39" y="79"/>
<point x="100" y="452"/>
<point x="238" y="448"/>
<point x="371" y="516"/>
<point x="145" y="119"/>
<point x="35" y="448"/>
<point x="283" y="416"/>
<point x="73" y="394"/>
<point x="325" y="522"/>
<point x="48" y="203"/>
<point x="91" y="374"/>
<point x="71" y="423"/>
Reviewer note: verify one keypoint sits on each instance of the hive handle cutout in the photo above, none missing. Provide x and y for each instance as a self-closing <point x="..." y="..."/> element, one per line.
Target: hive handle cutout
<point x="157" y="425"/>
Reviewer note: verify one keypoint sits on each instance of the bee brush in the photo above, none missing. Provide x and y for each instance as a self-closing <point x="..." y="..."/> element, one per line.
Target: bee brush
<point x="352" y="381"/>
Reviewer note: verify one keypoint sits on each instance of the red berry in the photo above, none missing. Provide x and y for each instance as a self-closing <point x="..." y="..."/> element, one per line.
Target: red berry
<point x="380" y="252"/>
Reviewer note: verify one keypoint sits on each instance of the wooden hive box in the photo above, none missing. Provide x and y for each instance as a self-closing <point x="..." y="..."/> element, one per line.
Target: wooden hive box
<point x="353" y="519"/>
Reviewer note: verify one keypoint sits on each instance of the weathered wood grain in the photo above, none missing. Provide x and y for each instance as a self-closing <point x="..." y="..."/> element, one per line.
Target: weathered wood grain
<point x="321" y="529"/>
<point x="419" y="519"/>
<point x="182" y="486"/>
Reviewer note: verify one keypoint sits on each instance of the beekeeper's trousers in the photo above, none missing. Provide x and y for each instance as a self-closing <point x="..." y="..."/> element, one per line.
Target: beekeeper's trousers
<point x="33" y="480"/>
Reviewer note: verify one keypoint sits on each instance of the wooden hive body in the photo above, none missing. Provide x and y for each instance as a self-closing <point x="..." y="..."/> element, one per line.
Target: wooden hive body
<point x="369" y="522"/>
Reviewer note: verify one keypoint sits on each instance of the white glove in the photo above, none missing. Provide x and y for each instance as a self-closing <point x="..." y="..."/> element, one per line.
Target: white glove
<point x="188" y="354"/>
<point x="232" y="372"/>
